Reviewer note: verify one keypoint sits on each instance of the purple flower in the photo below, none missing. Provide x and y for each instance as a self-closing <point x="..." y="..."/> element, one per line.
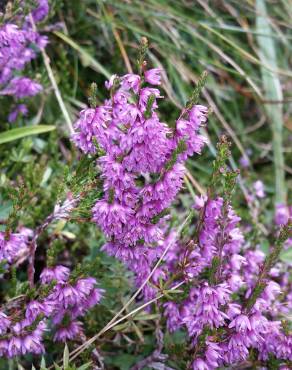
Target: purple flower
<point x="19" y="327"/>
<point x="259" y="189"/>
<point x="67" y="299"/>
<point x="240" y="323"/>
<point x="85" y="286"/>
<point x="204" y="308"/>
<point x="213" y="356"/>
<point x="282" y="214"/>
<point x="244" y="161"/>
<point x="12" y="245"/>
<point x="236" y="349"/>
<point x="141" y="139"/>
<point x="4" y="323"/>
<point x="15" y="347"/>
<point x="21" y="109"/>
<point x="153" y="76"/>
<point x="284" y="347"/>
<point x="83" y="139"/>
<point x="41" y="11"/>
<point x="210" y="230"/>
<point x="65" y="295"/>
<point x="236" y="261"/>
<point x="198" y="115"/>
<point x="131" y="81"/>
<point x="233" y="310"/>
<point x="59" y="273"/>
<point x="199" y="202"/>
<point x="160" y="195"/>
<point x="31" y="344"/>
<point x="93" y="298"/>
<point x="36" y="308"/>
<point x="109" y="84"/>
<point x="15" y="50"/>
<point x="112" y="218"/>
<point x="186" y="131"/>
<point x="235" y="282"/>
<point x="21" y="87"/>
<point x="26" y="342"/>
<point x="271" y="291"/>
<point x="173" y="316"/>
<point x="3" y="347"/>
<point x="145" y="94"/>
<point x="200" y="364"/>
<point x="69" y="332"/>
<point x="195" y="265"/>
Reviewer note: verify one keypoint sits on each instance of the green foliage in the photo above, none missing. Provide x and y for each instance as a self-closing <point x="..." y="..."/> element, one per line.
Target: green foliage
<point x="270" y="261"/>
<point x="194" y="98"/>
<point x="181" y="147"/>
<point x="142" y="54"/>
<point x="93" y="95"/>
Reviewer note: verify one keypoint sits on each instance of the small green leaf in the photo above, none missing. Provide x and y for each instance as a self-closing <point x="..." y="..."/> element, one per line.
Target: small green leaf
<point x="85" y="366"/>
<point x="173" y="291"/>
<point x="138" y="332"/>
<point x="43" y="364"/>
<point x="121" y="327"/>
<point x="265" y="247"/>
<point x="68" y="235"/>
<point x="19" y="133"/>
<point x="286" y="256"/>
<point x="145" y="317"/>
<point x="5" y="209"/>
<point x="66" y="357"/>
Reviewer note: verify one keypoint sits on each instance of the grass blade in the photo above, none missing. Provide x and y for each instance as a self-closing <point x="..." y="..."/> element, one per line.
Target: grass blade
<point x="19" y="133"/>
<point x="273" y="92"/>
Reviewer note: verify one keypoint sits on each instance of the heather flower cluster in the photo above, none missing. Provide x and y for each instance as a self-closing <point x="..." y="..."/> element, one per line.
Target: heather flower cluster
<point x="142" y="166"/>
<point x="56" y="304"/>
<point x="60" y="300"/>
<point x="216" y="308"/>
<point x="13" y="245"/>
<point x="19" y="44"/>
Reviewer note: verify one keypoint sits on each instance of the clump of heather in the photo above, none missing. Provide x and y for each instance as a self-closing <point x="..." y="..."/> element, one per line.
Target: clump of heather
<point x="60" y="300"/>
<point x="236" y="297"/>
<point x="230" y="307"/>
<point x="55" y="304"/>
<point x="142" y="166"/>
<point x="19" y="44"/>
<point x="233" y="307"/>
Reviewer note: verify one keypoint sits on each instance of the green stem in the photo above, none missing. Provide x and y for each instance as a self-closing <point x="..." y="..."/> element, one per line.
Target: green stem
<point x="270" y="261"/>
